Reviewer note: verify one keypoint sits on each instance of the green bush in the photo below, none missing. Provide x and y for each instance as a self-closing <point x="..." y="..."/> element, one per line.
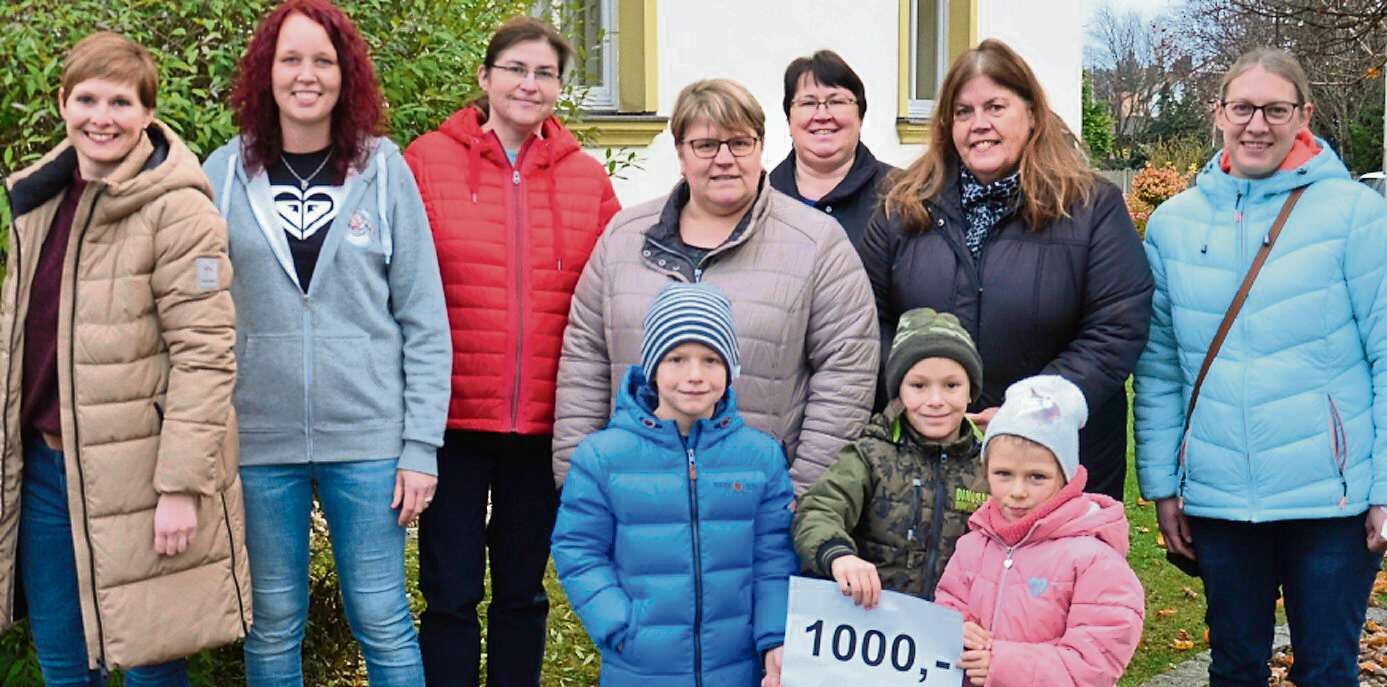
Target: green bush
<point x="426" y="52"/>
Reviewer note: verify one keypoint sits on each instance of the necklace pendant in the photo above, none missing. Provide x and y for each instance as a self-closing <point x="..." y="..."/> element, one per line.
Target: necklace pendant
<point x="303" y="184"/>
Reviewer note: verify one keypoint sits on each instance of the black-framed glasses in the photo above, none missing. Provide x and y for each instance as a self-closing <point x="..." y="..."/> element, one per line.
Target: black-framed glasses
<point x="837" y="104"/>
<point x="543" y="76"/>
<point x="739" y="146"/>
<point x="1242" y="112"/>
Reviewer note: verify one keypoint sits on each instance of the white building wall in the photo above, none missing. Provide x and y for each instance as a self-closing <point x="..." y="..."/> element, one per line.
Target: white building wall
<point x="753" y="40"/>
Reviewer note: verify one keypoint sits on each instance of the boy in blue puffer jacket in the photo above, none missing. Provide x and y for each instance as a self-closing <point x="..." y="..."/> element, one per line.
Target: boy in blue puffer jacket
<point x="673" y="533"/>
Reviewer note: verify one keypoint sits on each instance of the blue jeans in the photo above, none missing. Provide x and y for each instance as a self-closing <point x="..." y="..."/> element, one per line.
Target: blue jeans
<point x="368" y="548"/>
<point x="48" y="570"/>
<point x="1324" y="570"/>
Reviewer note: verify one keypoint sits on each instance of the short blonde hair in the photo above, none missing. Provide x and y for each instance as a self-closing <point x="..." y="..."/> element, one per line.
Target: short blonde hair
<point x="113" y="57"/>
<point x="724" y="103"/>
<point x="1274" y="60"/>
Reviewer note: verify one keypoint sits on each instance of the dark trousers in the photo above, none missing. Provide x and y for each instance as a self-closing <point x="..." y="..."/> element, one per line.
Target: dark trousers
<point x="455" y="537"/>
<point x="1324" y="570"/>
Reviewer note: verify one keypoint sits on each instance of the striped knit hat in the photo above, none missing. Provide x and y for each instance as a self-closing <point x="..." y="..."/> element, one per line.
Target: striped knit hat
<point x="682" y="313"/>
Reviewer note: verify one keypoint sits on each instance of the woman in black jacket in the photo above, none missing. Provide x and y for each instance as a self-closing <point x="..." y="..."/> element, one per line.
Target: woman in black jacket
<point x="1001" y="223"/>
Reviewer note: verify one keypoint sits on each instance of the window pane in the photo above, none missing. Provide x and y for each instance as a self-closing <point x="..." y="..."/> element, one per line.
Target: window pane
<point x="581" y="21"/>
<point x="926" y="48"/>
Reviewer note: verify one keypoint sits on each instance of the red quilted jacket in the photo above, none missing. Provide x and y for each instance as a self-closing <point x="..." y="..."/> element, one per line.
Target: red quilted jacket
<point x="509" y="265"/>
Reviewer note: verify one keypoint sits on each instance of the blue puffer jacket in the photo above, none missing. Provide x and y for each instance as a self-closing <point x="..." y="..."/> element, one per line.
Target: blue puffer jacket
<point x="1292" y="418"/>
<point x="677" y="558"/>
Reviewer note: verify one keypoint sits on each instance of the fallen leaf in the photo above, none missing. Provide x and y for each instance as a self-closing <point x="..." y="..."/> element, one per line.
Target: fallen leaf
<point x="1144" y="530"/>
<point x="1182" y="641"/>
<point x="1160" y="540"/>
<point x="1189" y="593"/>
<point x="1165" y="612"/>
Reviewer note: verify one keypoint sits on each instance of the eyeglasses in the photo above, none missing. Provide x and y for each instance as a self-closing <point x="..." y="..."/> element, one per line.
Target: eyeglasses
<point x="739" y="146"/>
<point x="1241" y="111"/>
<point x="836" y="105"/>
<point x="543" y="77"/>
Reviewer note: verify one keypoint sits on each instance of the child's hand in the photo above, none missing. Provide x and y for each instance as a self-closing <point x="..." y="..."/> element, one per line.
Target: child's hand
<point x="974" y="664"/>
<point x="974" y="637"/>
<point x="857" y="578"/>
<point x="774" y="659"/>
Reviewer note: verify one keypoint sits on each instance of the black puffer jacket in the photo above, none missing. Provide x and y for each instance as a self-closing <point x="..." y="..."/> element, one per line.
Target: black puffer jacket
<point x="1073" y="299"/>
<point x="852" y="201"/>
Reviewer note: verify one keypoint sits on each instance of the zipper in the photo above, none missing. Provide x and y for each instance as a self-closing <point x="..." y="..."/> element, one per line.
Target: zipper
<point x="1339" y="445"/>
<point x="914" y="512"/>
<point x="236" y="581"/>
<point x="1001" y="588"/>
<point x="307" y="379"/>
<point x="517" y="198"/>
<point x="697" y="567"/>
<point x="9" y="365"/>
<point x="76" y="430"/>
<point x="1240" y="223"/>
<point x="936" y="524"/>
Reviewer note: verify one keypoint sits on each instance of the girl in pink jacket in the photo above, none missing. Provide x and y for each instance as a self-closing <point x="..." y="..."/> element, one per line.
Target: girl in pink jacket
<point x="1042" y="578"/>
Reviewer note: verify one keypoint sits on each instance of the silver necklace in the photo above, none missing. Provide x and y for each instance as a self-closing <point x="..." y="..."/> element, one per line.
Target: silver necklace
<point x="303" y="183"/>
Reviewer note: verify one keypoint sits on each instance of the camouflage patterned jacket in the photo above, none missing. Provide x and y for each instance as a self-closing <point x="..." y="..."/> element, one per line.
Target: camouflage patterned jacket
<point x="894" y="499"/>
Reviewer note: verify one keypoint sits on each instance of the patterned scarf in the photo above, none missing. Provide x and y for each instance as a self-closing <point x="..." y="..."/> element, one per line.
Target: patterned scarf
<point x="985" y="204"/>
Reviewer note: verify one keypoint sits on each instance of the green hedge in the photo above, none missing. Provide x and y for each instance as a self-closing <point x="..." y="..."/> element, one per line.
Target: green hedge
<point x="426" y="53"/>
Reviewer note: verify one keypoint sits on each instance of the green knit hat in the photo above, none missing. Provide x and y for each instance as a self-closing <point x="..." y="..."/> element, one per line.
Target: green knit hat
<point x="924" y="333"/>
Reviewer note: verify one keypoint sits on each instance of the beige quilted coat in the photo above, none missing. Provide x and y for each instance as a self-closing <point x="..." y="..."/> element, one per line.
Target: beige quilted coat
<point x="805" y="316"/>
<point x="145" y="370"/>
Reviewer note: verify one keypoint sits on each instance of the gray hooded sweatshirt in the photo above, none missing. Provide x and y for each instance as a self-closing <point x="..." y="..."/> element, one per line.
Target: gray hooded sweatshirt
<point x="358" y="367"/>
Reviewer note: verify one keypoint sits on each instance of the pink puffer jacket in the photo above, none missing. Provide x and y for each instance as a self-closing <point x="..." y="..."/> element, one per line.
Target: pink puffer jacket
<point x="1063" y="606"/>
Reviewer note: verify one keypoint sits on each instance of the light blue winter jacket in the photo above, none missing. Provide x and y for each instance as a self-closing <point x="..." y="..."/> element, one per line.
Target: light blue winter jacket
<point x="676" y="555"/>
<point x="1292" y="419"/>
<point x="359" y="367"/>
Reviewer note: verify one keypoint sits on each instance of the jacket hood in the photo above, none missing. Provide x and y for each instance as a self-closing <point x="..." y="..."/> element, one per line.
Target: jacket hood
<point x="555" y="142"/>
<point x="232" y="152"/>
<point x="159" y="164"/>
<point x="1083" y="515"/>
<point x="635" y="412"/>
<point x="1222" y="188"/>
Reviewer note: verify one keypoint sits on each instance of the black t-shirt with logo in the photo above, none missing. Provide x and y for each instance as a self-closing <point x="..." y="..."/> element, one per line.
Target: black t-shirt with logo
<point x="306" y="212"/>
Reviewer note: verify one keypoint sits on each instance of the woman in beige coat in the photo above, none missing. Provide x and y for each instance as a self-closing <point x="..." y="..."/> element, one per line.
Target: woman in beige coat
<point x="805" y="314"/>
<point x="120" y="507"/>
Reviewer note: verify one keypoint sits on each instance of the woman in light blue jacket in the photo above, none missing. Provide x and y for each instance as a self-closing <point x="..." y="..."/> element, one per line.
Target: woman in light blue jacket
<point x="1279" y="485"/>
<point x="342" y="344"/>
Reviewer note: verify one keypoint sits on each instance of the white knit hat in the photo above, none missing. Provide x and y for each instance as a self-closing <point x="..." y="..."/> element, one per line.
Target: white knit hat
<point x="1047" y="409"/>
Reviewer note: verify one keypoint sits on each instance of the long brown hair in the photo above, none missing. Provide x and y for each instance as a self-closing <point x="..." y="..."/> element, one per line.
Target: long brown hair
<point x="1054" y="174"/>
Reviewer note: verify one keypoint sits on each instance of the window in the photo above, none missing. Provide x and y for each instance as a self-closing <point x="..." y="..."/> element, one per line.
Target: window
<point x="591" y="26"/>
<point x="928" y="54"/>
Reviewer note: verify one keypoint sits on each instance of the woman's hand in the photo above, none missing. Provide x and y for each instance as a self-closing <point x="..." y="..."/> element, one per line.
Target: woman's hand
<point x="857" y="578"/>
<point x="1175" y="527"/>
<point x="774" y="661"/>
<point x="982" y="417"/>
<point x="175" y="523"/>
<point x="1377" y="515"/>
<point x="413" y="493"/>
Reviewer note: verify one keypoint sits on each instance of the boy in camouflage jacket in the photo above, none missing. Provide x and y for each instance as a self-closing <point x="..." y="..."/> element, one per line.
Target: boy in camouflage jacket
<point x="888" y="512"/>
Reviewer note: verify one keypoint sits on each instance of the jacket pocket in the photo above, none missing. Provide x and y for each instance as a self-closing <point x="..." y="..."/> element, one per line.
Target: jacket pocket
<point x="628" y="644"/>
<point x="348" y="391"/>
<point x="1338" y="447"/>
<point x="269" y="383"/>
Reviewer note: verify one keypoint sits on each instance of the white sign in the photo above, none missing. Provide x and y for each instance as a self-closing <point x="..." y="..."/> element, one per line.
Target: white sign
<point x="831" y="642"/>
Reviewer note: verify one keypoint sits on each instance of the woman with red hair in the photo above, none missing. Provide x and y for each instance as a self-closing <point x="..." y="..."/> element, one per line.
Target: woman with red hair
<point x="341" y="338"/>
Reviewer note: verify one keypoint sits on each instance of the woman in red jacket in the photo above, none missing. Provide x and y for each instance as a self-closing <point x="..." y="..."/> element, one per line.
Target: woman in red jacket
<point x="515" y="208"/>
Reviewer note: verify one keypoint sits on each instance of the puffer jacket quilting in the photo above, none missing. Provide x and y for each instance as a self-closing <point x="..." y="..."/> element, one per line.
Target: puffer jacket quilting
<point x="1292" y="418"/>
<point x="676" y="552"/>
<point x="509" y="263"/>
<point x="805" y="318"/>
<point x="146" y="371"/>
<point x="894" y="500"/>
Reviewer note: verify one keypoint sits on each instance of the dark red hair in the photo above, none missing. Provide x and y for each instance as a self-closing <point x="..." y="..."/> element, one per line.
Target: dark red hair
<point x="360" y="110"/>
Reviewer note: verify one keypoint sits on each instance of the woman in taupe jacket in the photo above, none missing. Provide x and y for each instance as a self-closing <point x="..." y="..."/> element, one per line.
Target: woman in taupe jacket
<point x="805" y="313"/>
<point x="120" y="507"/>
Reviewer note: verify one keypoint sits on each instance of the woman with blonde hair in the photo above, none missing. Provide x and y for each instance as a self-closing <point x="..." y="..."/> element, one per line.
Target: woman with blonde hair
<point x="121" y="520"/>
<point x="1262" y="441"/>
<point x="807" y="325"/>
<point x="1002" y="223"/>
